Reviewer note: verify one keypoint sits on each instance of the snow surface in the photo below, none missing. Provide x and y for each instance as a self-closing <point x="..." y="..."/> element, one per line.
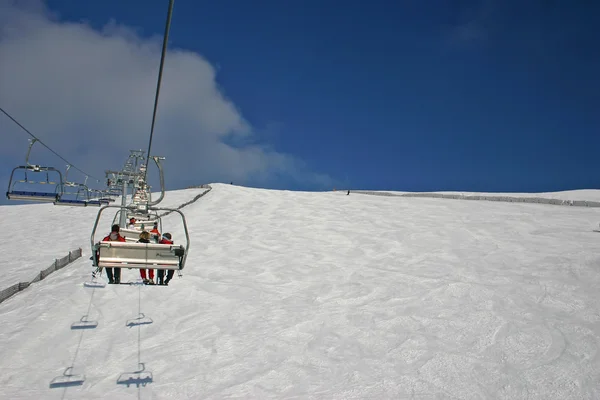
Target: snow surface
<point x="320" y="295"/>
<point x="580" y="194"/>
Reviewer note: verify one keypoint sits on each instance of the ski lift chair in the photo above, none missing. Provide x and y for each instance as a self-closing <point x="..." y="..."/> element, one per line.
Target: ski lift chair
<point x="34" y="195"/>
<point x="81" y="195"/>
<point x="132" y="235"/>
<point x="146" y="220"/>
<point x="97" y="200"/>
<point x="47" y="196"/>
<point x="139" y="255"/>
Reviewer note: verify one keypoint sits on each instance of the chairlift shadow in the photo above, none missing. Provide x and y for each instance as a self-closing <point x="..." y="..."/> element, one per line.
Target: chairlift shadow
<point x="137" y="378"/>
<point x="133" y="283"/>
<point x="67" y="379"/>
<point x="94" y="284"/>
<point x="138" y="282"/>
<point x="140" y="320"/>
<point x="84" y="323"/>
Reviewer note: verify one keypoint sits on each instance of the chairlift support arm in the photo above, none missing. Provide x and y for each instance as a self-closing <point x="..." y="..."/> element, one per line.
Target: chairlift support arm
<point x="162" y="181"/>
<point x="31" y="143"/>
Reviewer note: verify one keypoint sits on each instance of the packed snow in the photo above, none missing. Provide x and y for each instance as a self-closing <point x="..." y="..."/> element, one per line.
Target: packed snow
<point x="567" y="195"/>
<point x="316" y="295"/>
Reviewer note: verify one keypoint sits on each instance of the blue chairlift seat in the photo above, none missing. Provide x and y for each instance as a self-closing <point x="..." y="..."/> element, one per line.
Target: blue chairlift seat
<point x="66" y="202"/>
<point x="95" y="203"/>
<point x="36" y="196"/>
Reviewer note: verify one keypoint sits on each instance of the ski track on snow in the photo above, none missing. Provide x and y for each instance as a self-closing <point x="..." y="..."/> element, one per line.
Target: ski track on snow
<point x="323" y="295"/>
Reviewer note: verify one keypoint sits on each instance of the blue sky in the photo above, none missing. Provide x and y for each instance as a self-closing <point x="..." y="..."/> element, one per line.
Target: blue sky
<point x="462" y="95"/>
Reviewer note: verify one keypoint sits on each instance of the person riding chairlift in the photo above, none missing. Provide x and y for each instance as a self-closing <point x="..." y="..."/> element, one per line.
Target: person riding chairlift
<point x="155" y="233"/>
<point x="166" y="239"/>
<point x="114" y="236"/>
<point x="131" y="223"/>
<point x="145" y="238"/>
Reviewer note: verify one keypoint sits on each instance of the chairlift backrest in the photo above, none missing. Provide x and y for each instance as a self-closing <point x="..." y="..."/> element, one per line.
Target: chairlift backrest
<point x="140" y="255"/>
<point x="130" y="235"/>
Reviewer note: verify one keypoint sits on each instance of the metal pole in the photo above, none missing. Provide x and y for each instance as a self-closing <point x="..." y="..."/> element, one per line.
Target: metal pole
<point x="123" y="216"/>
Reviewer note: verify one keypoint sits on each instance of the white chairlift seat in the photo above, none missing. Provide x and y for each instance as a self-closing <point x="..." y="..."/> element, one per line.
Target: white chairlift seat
<point x="140" y="255"/>
<point x="148" y="224"/>
<point x="131" y="235"/>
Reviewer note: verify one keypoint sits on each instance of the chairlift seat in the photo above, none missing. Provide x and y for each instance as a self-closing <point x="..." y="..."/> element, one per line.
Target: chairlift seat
<point x="75" y="203"/>
<point x="37" y="196"/>
<point x="148" y="224"/>
<point x="140" y="255"/>
<point x="36" y="182"/>
<point x="131" y="235"/>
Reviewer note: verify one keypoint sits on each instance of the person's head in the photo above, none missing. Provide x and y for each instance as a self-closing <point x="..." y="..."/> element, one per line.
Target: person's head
<point x="132" y="220"/>
<point x="156" y="225"/>
<point x="114" y="233"/>
<point x="145" y="235"/>
<point x="167" y="236"/>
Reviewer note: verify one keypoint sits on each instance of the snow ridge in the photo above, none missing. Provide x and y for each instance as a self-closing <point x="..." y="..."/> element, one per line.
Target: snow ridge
<point x="510" y="199"/>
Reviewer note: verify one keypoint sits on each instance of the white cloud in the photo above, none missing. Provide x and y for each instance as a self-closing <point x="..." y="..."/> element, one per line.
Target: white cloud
<point x="90" y="94"/>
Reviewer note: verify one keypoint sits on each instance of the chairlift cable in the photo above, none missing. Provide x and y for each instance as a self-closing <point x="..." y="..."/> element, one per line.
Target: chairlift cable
<point x="160" y="72"/>
<point x="46" y="146"/>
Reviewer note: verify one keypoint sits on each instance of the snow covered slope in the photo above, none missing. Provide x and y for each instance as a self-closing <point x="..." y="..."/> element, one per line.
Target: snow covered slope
<point x="323" y="295"/>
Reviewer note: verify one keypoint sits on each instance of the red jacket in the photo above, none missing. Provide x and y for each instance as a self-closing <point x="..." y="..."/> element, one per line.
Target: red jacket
<point x="119" y="239"/>
<point x="165" y="241"/>
<point x="107" y="239"/>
